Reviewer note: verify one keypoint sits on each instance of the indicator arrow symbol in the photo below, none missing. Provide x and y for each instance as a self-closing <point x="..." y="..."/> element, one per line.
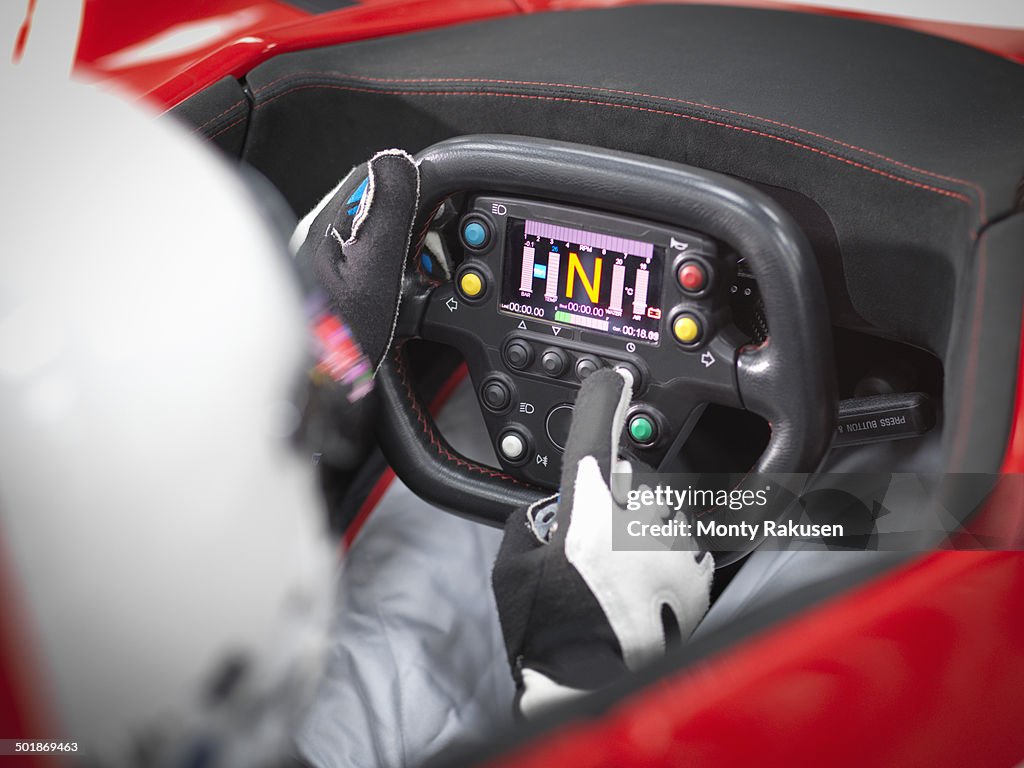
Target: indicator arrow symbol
<point x="452" y="304"/>
<point x="555" y="330"/>
<point x="522" y="325"/>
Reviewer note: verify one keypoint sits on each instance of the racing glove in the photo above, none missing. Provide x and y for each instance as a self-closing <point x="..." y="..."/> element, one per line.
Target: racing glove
<point x="576" y="614"/>
<point x="351" y="254"/>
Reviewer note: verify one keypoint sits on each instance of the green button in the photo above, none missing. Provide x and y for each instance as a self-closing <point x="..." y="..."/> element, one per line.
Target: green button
<point x="641" y="429"/>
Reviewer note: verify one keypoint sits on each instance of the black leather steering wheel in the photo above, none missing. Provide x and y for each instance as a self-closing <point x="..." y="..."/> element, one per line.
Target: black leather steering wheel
<point x="788" y="379"/>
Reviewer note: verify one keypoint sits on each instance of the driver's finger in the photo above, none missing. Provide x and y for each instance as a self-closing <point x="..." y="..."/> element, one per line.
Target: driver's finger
<point x="597" y="422"/>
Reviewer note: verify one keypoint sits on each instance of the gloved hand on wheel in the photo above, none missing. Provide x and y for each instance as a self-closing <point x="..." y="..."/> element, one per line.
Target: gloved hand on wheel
<point x="575" y="613"/>
<point x="351" y="253"/>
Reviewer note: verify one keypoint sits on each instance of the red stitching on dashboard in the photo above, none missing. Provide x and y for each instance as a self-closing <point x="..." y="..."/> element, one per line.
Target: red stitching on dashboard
<point x="436" y="442"/>
<point x="592" y="102"/>
<point x="227" y="127"/>
<point x="215" y="118"/>
<point x="598" y="89"/>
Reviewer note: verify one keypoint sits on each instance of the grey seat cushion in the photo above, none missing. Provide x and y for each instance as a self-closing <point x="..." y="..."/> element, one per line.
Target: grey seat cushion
<point x="416" y="659"/>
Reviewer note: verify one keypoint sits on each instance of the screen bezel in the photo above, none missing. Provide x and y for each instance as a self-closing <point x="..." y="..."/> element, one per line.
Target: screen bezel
<point x="514" y="236"/>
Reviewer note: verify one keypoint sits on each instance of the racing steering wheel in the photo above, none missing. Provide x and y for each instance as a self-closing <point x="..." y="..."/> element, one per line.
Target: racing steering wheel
<point x="672" y="216"/>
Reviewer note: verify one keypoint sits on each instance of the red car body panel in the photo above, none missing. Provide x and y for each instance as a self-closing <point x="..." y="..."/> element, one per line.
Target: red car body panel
<point x="255" y="30"/>
<point x="275" y="28"/>
<point x="922" y="666"/>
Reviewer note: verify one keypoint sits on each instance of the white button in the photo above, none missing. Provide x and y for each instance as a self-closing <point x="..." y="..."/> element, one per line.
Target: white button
<point x="513" y="446"/>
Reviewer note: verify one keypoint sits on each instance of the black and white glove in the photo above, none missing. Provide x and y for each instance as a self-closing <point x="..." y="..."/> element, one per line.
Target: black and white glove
<point x="575" y="613"/>
<point x="351" y="254"/>
<point x="355" y="242"/>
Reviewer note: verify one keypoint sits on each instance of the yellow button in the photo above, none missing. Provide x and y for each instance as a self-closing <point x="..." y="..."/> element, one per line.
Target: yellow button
<point x="472" y="284"/>
<point x="686" y="329"/>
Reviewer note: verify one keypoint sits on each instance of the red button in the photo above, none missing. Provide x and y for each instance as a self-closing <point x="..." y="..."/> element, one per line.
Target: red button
<point x="692" y="277"/>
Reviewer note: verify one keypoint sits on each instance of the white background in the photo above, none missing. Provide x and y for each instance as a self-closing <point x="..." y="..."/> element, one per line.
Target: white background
<point x="988" y="13"/>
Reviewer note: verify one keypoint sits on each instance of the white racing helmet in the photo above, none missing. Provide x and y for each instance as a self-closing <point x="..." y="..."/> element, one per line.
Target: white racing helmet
<point x="166" y="541"/>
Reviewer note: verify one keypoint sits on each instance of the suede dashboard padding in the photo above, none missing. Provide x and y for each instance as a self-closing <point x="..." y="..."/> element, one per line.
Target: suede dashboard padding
<point x="909" y="143"/>
<point x="987" y="345"/>
<point x="219" y="114"/>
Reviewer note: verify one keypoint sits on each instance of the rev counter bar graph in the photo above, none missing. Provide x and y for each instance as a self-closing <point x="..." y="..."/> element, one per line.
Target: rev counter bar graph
<point x="593" y="239"/>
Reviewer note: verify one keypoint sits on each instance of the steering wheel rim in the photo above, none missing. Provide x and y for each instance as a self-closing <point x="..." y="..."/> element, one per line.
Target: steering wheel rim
<point x="788" y="379"/>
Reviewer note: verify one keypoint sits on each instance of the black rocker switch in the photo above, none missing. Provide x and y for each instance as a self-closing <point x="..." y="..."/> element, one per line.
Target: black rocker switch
<point x="496" y="395"/>
<point x="877" y="418"/>
<point x="518" y="354"/>
<point x="554" y="362"/>
<point x="586" y="366"/>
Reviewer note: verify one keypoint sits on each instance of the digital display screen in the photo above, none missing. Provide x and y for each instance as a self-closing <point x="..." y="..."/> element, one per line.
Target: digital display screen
<point x="584" y="279"/>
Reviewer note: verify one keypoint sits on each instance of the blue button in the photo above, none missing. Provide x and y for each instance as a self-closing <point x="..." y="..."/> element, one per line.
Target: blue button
<point x="474" y="234"/>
